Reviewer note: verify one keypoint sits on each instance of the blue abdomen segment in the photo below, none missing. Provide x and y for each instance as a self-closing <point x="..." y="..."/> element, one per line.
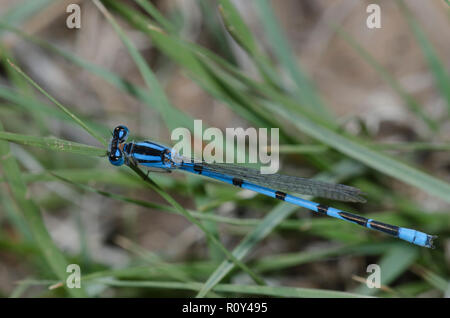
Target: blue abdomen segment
<point x="416" y="237"/>
<point x="412" y="236"/>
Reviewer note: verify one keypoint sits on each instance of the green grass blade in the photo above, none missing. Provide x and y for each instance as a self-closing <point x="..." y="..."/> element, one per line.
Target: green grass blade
<point x="14" y="216"/>
<point x="154" y="12"/>
<point x="184" y="54"/>
<point x="54" y="258"/>
<point x="60" y="106"/>
<point x="237" y="27"/>
<point x="178" y="118"/>
<point x="282" y="261"/>
<point x="438" y="69"/>
<point x="27" y="104"/>
<point x="304" y="90"/>
<point x="157" y="206"/>
<point x="88" y="175"/>
<point x="216" y="32"/>
<point x="393" y="146"/>
<point x="235" y="289"/>
<point x="167" y="111"/>
<point x="18" y="82"/>
<point x="238" y="101"/>
<point x="281" y="212"/>
<point x="432" y="278"/>
<point x="370" y="157"/>
<point x="23" y="10"/>
<point x="241" y="33"/>
<point x="153" y="259"/>
<point x="151" y="184"/>
<point x="394" y="263"/>
<point x="410" y="102"/>
<point x="53" y="144"/>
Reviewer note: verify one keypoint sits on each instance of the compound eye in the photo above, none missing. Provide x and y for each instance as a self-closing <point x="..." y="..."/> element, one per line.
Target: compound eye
<point x="116" y="158"/>
<point x="121" y="133"/>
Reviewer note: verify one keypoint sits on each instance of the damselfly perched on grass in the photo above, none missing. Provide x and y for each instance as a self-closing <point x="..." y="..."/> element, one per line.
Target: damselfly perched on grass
<point x="155" y="156"/>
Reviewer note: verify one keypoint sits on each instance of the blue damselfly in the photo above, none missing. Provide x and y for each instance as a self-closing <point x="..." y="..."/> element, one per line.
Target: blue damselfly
<point x="155" y="156"/>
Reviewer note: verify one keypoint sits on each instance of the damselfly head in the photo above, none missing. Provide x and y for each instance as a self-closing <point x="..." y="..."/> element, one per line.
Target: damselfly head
<point x="116" y="156"/>
<point x="115" y="147"/>
<point x="120" y="133"/>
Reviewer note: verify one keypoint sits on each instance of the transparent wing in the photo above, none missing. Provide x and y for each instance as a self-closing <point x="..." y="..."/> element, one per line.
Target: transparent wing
<point x="289" y="183"/>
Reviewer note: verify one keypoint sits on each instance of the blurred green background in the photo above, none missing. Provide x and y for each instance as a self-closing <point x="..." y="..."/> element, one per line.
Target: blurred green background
<point x="365" y="107"/>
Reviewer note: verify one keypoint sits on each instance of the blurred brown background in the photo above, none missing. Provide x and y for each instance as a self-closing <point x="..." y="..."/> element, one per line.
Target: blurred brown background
<point x="347" y="83"/>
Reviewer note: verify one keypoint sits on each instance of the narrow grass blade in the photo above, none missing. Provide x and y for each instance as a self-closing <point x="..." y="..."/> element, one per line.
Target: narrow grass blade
<point x="146" y="272"/>
<point x="54" y="258"/>
<point x="304" y="90"/>
<point x="216" y="32"/>
<point x="241" y="33"/>
<point x="53" y="144"/>
<point x="26" y="103"/>
<point x="388" y="146"/>
<point x="178" y="118"/>
<point x="150" y="183"/>
<point x="281" y="212"/>
<point x="153" y="259"/>
<point x="438" y="69"/>
<point x="19" y="291"/>
<point x="91" y="176"/>
<point x="17" y="81"/>
<point x="157" y="206"/>
<point x="410" y="102"/>
<point x="238" y="101"/>
<point x="14" y="216"/>
<point x="370" y="157"/>
<point x="185" y="55"/>
<point x="393" y="264"/>
<point x="158" y="16"/>
<point x="23" y="10"/>
<point x="235" y="289"/>
<point x="237" y="27"/>
<point x="432" y="278"/>
<point x="60" y="106"/>
<point x="167" y="111"/>
<point x="281" y="262"/>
